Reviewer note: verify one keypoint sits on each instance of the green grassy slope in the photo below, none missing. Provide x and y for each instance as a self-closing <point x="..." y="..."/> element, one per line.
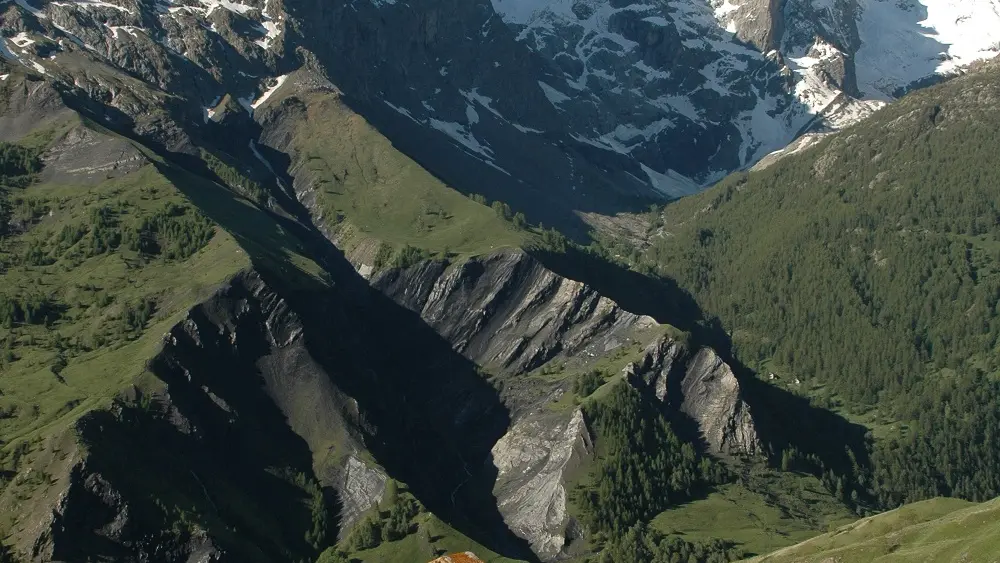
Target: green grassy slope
<point x="938" y="530"/>
<point x="94" y="273"/>
<point x="94" y="293"/>
<point x="768" y="511"/>
<point x="366" y="190"/>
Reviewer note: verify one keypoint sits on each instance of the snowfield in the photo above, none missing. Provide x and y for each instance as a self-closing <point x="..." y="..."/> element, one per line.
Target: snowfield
<point x="903" y="42"/>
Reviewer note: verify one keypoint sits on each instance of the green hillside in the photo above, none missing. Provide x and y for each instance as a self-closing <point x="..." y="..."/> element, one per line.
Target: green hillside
<point x="96" y="270"/>
<point x="368" y="193"/>
<point x="864" y="273"/>
<point x="939" y="530"/>
<point x="90" y="282"/>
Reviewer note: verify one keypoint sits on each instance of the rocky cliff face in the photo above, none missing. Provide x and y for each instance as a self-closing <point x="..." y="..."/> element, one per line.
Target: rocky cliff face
<point x="712" y="398"/>
<point x="242" y="407"/>
<point x="532" y="461"/>
<point x="508" y="312"/>
<point x="703" y="387"/>
<point x="253" y="418"/>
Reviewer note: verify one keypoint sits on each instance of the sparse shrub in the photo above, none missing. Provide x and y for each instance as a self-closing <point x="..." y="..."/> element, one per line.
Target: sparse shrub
<point x="586" y="383"/>
<point x="366" y="535"/>
<point x="502" y="210"/>
<point x="410" y="256"/>
<point x="382" y="256"/>
<point x="135" y="315"/>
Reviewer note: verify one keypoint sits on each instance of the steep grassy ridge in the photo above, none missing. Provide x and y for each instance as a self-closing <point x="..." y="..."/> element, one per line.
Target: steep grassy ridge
<point x="938" y="530"/>
<point x="364" y="190"/>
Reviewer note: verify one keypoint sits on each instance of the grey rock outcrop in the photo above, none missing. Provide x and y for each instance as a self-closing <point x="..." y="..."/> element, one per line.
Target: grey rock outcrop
<point x="243" y="404"/>
<point x="758" y="22"/>
<point x="29" y="104"/>
<point x="507" y="311"/>
<point x="361" y="490"/>
<point x="703" y="387"/>
<point x="84" y="156"/>
<point x="532" y="460"/>
<point x="712" y="398"/>
<point x="656" y="367"/>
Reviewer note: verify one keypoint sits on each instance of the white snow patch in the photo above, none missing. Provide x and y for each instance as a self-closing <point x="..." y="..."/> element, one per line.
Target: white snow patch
<point x="520" y="11"/>
<point x="246" y="102"/>
<point x="269" y="92"/>
<point x="811" y="88"/>
<point x="723" y="9"/>
<point x="671" y="183"/>
<point x="31" y="9"/>
<point x="471" y="115"/>
<point x="260" y="157"/>
<point x="6" y="52"/>
<point x="651" y="73"/>
<point x="129" y="29"/>
<point x="402" y="111"/>
<point x="22" y="40"/>
<point x="271" y="32"/>
<point x="524" y="129"/>
<point x="605" y="143"/>
<point x="484" y="101"/>
<point x="555" y="96"/>
<point x="905" y="42"/>
<point x="4" y="77"/>
<point x="626" y="136"/>
<point x="227" y="4"/>
<point x="683" y="106"/>
<point x="209" y="112"/>
<point x="590" y="36"/>
<point x="460" y="133"/>
<point x="464" y="137"/>
<point x="487" y="103"/>
<point x="93" y="4"/>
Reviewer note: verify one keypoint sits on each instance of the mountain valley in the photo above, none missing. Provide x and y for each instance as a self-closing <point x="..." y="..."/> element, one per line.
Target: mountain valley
<point x="372" y="280"/>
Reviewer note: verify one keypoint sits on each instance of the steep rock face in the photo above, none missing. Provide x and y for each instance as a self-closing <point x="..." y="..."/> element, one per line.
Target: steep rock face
<point x="28" y="103"/>
<point x="532" y="460"/>
<point x="657" y="365"/>
<point x="362" y="489"/>
<point x="758" y="22"/>
<point x="85" y="157"/>
<point x="242" y="409"/>
<point x="712" y="398"/>
<point x="92" y="501"/>
<point x="709" y="85"/>
<point x="704" y="388"/>
<point x="507" y="311"/>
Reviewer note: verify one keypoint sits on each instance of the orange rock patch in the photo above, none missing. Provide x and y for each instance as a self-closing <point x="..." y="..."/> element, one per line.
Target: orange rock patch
<point x="467" y="557"/>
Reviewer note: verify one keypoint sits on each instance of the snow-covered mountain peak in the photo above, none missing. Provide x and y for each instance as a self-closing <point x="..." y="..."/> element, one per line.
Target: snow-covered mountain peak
<point x="906" y="41"/>
<point x="638" y="96"/>
<point x="715" y="85"/>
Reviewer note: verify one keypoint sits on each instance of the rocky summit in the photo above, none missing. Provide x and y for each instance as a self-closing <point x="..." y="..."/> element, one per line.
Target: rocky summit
<point x="535" y="280"/>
